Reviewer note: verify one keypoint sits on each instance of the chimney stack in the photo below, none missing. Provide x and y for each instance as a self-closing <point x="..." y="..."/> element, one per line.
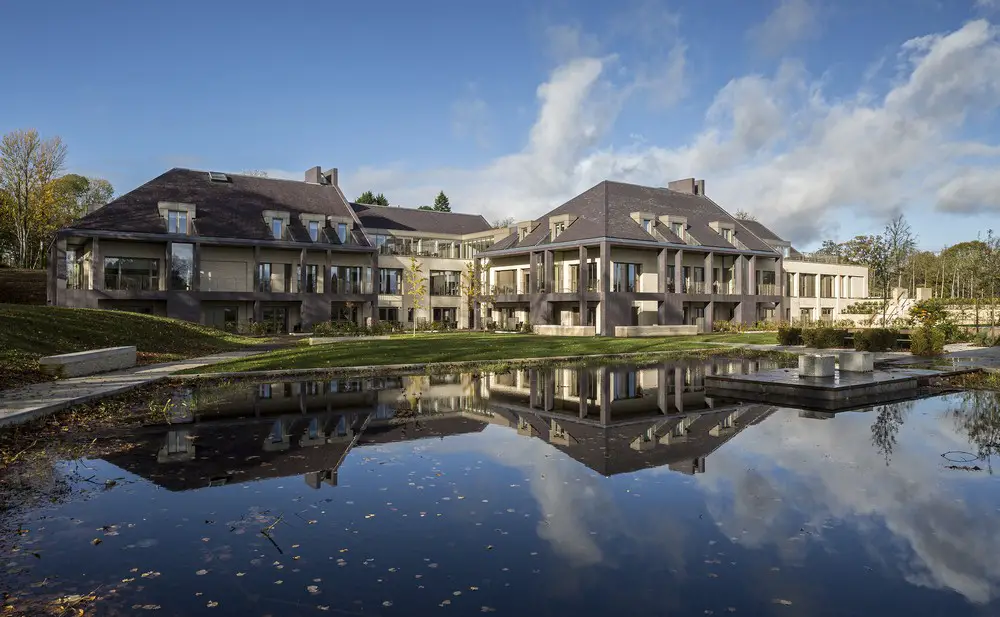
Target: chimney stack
<point x="688" y="185"/>
<point x="314" y="175"/>
<point x="331" y="176"/>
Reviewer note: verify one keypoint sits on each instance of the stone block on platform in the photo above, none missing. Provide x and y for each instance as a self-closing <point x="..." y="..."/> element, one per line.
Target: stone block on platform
<point x="857" y="361"/>
<point x="816" y="365"/>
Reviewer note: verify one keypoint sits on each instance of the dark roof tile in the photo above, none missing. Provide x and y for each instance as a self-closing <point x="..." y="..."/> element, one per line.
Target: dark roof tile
<point x="411" y="219"/>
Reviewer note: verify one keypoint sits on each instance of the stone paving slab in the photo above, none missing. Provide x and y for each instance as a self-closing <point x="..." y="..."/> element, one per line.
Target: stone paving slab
<point x="36" y="400"/>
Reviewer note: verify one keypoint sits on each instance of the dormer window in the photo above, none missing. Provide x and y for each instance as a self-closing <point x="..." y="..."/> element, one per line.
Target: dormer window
<point x="647" y="225"/>
<point x="314" y="231"/>
<point x="277" y="228"/>
<point x="678" y="229"/>
<point x="522" y="233"/>
<point x="342" y="232"/>
<point x="557" y="229"/>
<point x="727" y="234"/>
<point x="177" y="222"/>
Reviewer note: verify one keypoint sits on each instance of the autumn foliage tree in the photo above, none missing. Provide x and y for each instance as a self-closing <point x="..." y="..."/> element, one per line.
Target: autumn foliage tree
<point x="35" y="201"/>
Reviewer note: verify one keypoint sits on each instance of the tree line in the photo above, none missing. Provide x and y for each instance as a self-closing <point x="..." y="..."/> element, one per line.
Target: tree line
<point x="441" y="202"/>
<point x="36" y="199"/>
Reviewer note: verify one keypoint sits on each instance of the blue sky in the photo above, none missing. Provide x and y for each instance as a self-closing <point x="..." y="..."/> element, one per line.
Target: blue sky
<point x="823" y="118"/>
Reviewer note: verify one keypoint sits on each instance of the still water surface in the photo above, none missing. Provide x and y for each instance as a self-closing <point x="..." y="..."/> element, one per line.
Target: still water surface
<point x="507" y="493"/>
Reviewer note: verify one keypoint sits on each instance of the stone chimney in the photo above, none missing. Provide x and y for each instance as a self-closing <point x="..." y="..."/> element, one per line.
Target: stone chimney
<point x="331" y="176"/>
<point x="314" y="175"/>
<point x="688" y="185"/>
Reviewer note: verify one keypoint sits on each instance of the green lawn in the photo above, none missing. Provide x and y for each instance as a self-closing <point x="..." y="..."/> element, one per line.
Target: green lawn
<point x="30" y="332"/>
<point x="468" y="346"/>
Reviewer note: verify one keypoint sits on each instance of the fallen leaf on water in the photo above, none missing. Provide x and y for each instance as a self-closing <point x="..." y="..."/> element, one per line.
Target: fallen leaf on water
<point x="95" y="541"/>
<point x="313" y="589"/>
<point x="201" y="572"/>
<point x="212" y="604"/>
<point x="241" y="574"/>
<point x="782" y="602"/>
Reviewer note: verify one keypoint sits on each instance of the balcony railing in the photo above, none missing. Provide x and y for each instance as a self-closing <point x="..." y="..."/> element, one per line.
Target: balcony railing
<point x="767" y="289"/>
<point x="727" y="287"/>
<point x="505" y="290"/>
<point x="351" y="287"/>
<point x="697" y="287"/>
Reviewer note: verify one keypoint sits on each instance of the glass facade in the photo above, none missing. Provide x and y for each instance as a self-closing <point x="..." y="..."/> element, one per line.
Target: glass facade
<point x="390" y="281"/>
<point x="351" y="279"/>
<point x="446" y="282"/>
<point x="626" y="277"/>
<point x="181" y="266"/>
<point x="131" y="274"/>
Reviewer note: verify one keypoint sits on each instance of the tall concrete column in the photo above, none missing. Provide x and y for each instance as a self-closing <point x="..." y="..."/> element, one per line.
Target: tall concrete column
<point x="96" y="265"/>
<point x="752" y="275"/>
<point x="605" y="286"/>
<point x="477" y="274"/>
<point x="533" y="281"/>
<point x="373" y="288"/>
<point x="303" y="255"/>
<point x="709" y="274"/>
<point x="58" y="271"/>
<point x="738" y="268"/>
<point x="661" y="271"/>
<point x="256" y="271"/>
<point x="549" y="284"/>
<point x="196" y="267"/>
<point x="327" y="277"/>
<point x="550" y="389"/>
<point x="779" y="276"/>
<point x="661" y="391"/>
<point x="679" y="388"/>
<point x="581" y="285"/>
<point x="168" y="267"/>
<point x="583" y="388"/>
<point x="679" y="271"/>
<point x="604" y="386"/>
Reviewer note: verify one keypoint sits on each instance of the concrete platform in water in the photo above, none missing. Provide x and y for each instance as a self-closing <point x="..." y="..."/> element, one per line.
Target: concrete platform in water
<point x="845" y="390"/>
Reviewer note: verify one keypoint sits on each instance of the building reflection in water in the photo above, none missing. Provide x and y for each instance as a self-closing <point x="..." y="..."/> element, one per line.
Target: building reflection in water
<point x="612" y="419"/>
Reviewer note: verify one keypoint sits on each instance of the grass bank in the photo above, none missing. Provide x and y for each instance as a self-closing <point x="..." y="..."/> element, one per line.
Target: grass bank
<point x="470" y="346"/>
<point x="28" y="333"/>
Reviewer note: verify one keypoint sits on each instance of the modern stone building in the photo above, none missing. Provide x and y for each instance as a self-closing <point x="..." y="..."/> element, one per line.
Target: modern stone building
<point x="224" y="249"/>
<point x="625" y="260"/>
<point x="817" y="287"/>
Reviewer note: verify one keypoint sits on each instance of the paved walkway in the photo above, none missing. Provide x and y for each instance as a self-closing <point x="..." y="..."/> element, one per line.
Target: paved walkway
<point x="24" y="404"/>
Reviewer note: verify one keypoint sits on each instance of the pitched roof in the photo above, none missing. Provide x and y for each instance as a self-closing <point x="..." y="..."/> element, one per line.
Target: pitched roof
<point x="605" y="211"/>
<point x="232" y="209"/>
<point x="411" y="219"/>
<point x="765" y="234"/>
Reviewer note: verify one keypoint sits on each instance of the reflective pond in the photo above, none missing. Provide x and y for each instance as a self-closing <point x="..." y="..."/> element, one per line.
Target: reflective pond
<point x="555" y="491"/>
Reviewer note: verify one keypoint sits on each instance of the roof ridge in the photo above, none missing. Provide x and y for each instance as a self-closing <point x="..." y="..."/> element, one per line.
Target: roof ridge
<point x="418" y="209"/>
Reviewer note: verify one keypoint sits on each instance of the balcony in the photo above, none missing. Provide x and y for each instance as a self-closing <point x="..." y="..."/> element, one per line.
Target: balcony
<point x="727" y="287"/>
<point x="505" y="290"/>
<point x="767" y="289"/>
<point x="696" y="287"/>
<point x="350" y="287"/>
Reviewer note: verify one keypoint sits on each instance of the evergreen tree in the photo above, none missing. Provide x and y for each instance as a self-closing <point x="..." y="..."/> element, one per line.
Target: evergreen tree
<point x="441" y="203"/>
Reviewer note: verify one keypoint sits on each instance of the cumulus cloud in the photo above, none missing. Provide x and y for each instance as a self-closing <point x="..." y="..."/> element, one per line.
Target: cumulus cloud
<point x="972" y="190"/>
<point x="781" y="486"/>
<point x="773" y="144"/>
<point x="470" y="117"/>
<point x="790" y="22"/>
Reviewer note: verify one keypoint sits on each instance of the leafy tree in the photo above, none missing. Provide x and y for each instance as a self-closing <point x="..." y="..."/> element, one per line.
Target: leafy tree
<point x="415" y="288"/>
<point x="426" y="208"/>
<point x="441" y="203"/>
<point x="371" y="199"/>
<point x="743" y="215"/>
<point x="475" y="289"/>
<point x="31" y="209"/>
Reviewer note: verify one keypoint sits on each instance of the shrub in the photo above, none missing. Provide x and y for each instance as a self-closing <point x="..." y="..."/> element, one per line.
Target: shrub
<point x="926" y="341"/>
<point x="823" y="338"/>
<point x="789" y="335"/>
<point x="724" y="325"/>
<point x="875" y="339"/>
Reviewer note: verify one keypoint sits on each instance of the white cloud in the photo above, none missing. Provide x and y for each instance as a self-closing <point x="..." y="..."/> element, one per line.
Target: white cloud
<point x="973" y="190"/>
<point x="790" y="22"/>
<point x="782" y="486"/>
<point x="774" y="145"/>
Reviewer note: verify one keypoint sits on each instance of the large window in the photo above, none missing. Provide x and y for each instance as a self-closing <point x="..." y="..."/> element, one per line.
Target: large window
<point x="177" y="222"/>
<point x="626" y="277"/>
<point x="507" y="282"/>
<point x="351" y="279"/>
<point x="807" y="284"/>
<point x="826" y="286"/>
<point x="263" y="277"/>
<point x="425" y="247"/>
<point x="445" y="282"/>
<point x="314" y="231"/>
<point x="342" y="232"/>
<point x="181" y="266"/>
<point x="74" y="271"/>
<point x="592" y="276"/>
<point x="388" y="313"/>
<point x="390" y="281"/>
<point x="131" y="274"/>
<point x="277" y="228"/>
<point x="314" y="284"/>
<point x="445" y="315"/>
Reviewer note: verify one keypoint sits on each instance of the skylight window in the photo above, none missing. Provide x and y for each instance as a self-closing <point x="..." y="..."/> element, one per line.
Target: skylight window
<point x="218" y="176"/>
